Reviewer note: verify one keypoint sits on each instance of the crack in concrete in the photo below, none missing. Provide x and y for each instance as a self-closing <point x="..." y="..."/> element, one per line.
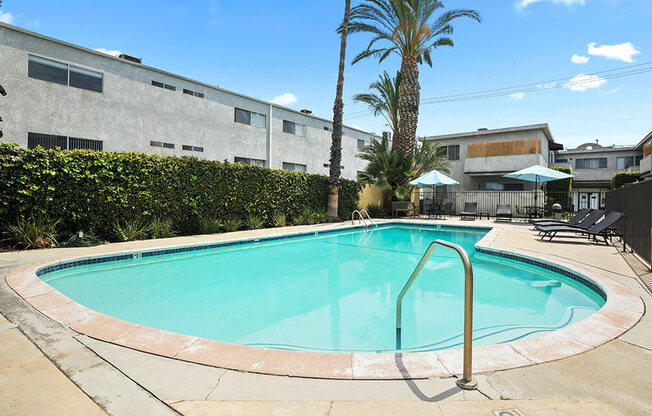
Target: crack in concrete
<point x="330" y="408"/>
<point x="215" y="387"/>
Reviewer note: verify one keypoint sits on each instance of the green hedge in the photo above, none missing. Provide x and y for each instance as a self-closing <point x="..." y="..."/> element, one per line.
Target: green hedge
<point x="620" y="179"/>
<point x="88" y="189"/>
<point x="561" y="186"/>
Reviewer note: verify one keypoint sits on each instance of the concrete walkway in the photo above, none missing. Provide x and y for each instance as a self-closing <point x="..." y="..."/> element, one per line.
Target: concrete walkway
<point x="122" y="380"/>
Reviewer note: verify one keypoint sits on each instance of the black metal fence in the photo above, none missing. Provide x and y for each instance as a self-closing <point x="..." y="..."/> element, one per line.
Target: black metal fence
<point x="520" y="201"/>
<point x="635" y="200"/>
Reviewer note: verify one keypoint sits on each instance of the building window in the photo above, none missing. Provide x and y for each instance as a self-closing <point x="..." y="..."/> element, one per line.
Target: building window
<point x="595" y="163"/>
<point x="64" y="74"/>
<point x="77" y="143"/>
<point x="561" y="161"/>
<point x="361" y="144"/>
<point x="193" y="93"/>
<point x="452" y="152"/>
<point x="163" y="85"/>
<point x="637" y="162"/>
<point x="328" y="128"/>
<point x="328" y="165"/>
<point x="294" y="166"/>
<point x="46" y="141"/>
<point x="161" y="144"/>
<point x="250" y="118"/>
<point x="249" y="161"/>
<point x="294" y="128"/>
<point x="493" y="186"/>
<point x="192" y="148"/>
<point x="50" y="141"/>
<point x="624" y="162"/>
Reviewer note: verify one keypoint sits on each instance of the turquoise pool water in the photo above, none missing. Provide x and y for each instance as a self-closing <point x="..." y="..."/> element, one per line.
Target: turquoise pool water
<point x="332" y="292"/>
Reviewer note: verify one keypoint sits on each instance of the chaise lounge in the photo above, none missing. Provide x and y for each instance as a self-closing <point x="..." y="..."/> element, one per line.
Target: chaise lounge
<point x="470" y="210"/>
<point x="585" y="223"/>
<point x="504" y="211"/>
<point x="600" y="229"/>
<point x="573" y="221"/>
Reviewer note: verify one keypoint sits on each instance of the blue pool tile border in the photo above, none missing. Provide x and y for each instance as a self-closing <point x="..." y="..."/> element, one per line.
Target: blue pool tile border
<point x="545" y="265"/>
<point x="185" y="249"/>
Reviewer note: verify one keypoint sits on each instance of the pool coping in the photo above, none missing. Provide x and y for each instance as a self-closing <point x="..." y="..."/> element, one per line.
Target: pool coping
<point x="622" y="310"/>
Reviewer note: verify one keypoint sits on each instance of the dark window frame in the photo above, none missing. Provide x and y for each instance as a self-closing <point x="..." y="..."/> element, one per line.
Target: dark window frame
<point x="75" y="76"/>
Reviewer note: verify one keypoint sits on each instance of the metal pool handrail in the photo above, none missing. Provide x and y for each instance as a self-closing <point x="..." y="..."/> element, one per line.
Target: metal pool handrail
<point x="467" y="381"/>
<point x="364" y="222"/>
<point x="364" y="211"/>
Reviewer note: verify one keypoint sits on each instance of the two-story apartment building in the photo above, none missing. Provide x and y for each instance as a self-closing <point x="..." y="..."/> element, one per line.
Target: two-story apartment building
<point x="593" y="166"/>
<point x="645" y="146"/>
<point x="67" y="96"/>
<point x="479" y="159"/>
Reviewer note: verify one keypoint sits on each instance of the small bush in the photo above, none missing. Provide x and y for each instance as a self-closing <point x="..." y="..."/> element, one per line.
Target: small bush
<point x="34" y="232"/>
<point x="130" y="230"/>
<point x="306" y="217"/>
<point x="622" y="178"/>
<point x="161" y="228"/>
<point x="254" y="222"/>
<point x="279" y="219"/>
<point x="209" y="224"/>
<point x="320" y="217"/>
<point x="376" y="211"/>
<point x="87" y="239"/>
<point x="234" y="224"/>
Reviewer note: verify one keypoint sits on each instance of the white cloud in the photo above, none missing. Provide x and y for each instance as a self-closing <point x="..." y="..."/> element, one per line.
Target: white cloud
<point x="7" y="17"/>
<point x="582" y="82"/>
<point x="36" y="23"/>
<point x="580" y="59"/>
<point x="285" y="99"/>
<point x="355" y="126"/>
<point x="613" y="91"/>
<point x="522" y="4"/>
<point x="517" y="96"/>
<point x="547" y="86"/>
<point x="108" y="51"/>
<point x="621" y="52"/>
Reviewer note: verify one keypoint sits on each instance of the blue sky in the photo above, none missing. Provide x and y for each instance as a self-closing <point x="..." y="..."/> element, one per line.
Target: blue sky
<point x="289" y="50"/>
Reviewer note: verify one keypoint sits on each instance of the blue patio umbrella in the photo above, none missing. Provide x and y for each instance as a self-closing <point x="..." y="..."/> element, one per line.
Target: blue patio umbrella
<point x="538" y="174"/>
<point x="433" y="178"/>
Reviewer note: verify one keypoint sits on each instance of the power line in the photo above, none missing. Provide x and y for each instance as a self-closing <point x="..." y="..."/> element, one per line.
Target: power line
<point x="615" y="73"/>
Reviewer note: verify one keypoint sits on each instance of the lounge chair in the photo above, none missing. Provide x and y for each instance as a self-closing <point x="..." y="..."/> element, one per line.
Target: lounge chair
<point x="573" y="221"/>
<point x="403" y="206"/>
<point x="504" y="211"/>
<point x="470" y="210"/>
<point x="585" y="223"/>
<point x="600" y="229"/>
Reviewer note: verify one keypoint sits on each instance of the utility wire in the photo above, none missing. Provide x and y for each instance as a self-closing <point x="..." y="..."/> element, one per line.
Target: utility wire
<point x="615" y="73"/>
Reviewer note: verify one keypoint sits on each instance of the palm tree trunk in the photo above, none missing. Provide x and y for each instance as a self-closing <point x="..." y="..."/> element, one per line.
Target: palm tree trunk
<point x="338" y="110"/>
<point x="408" y="107"/>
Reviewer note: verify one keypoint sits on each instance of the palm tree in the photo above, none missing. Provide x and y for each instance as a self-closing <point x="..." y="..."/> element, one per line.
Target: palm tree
<point x="385" y="102"/>
<point x="409" y="29"/>
<point x="338" y="109"/>
<point x="392" y="171"/>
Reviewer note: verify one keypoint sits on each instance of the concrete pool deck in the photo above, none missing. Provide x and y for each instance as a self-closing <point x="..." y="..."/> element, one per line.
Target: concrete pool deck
<point x="162" y="384"/>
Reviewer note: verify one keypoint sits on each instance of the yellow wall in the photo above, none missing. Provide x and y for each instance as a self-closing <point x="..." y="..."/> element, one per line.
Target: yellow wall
<point x="370" y="194"/>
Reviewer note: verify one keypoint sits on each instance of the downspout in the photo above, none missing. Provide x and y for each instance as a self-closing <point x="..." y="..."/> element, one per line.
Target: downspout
<point x="269" y="138"/>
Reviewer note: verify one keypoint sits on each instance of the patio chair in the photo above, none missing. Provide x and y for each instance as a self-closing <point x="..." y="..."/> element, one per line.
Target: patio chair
<point x="403" y="206"/>
<point x="448" y="209"/>
<point x="600" y="229"/>
<point x="470" y="210"/>
<point x="585" y="223"/>
<point x="522" y="216"/>
<point x="573" y="221"/>
<point x="504" y="211"/>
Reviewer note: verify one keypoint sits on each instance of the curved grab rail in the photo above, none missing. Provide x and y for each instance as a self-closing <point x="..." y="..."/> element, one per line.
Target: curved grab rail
<point x="364" y="222"/>
<point x="364" y="211"/>
<point x="467" y="381"/>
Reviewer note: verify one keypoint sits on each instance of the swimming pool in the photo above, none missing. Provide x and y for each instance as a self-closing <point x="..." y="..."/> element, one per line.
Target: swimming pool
<point x="331" y="291"/>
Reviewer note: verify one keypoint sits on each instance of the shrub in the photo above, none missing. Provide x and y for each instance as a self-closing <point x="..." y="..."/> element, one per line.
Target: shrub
<point x="130" y="230"/>
<point x="209" y="224"/>
<point x="622" y="178"/>
<point x="320" y="217"/>
<point x="87" y="188"/>
<point x="161" y="228"/>
<point x="376" y="211"/>
<point x="254" y="222"/>
<point x="561" y="186"/>
<point x="34" y="232"/>
<point x="234" y="224"/>
<point x="306" y="217"/>
<point x="87" y="239"/>
<point x="279" y="220"/>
